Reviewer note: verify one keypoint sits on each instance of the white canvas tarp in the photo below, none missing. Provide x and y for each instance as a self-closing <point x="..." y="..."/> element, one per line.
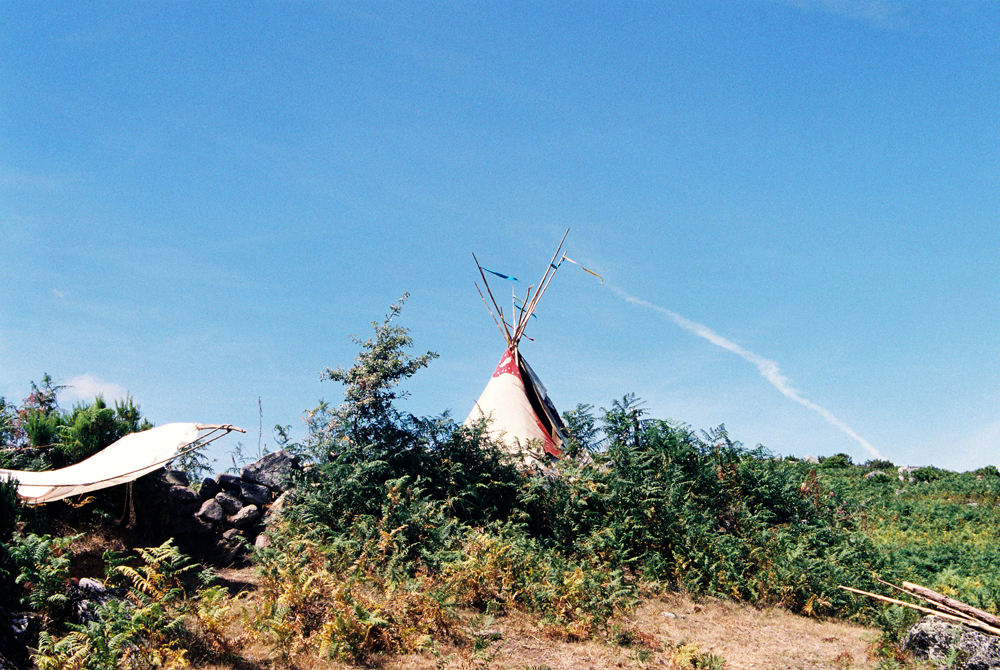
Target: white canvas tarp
<point x="124" y="461"/>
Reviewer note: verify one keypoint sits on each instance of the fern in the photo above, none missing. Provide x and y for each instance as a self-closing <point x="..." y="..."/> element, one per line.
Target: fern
<point x="43" y="570"/>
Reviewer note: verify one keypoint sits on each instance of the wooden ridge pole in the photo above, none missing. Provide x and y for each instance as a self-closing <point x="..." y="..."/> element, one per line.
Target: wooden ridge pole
<point x="506" y="333"/>
<point x="491" y="312"/>
<point x="913" y="595"/>
<point x="542" y="285"/>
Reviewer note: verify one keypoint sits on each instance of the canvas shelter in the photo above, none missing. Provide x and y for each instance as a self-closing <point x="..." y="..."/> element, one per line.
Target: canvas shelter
<point x="126" y="460"/>
<point x="515" y="404"/>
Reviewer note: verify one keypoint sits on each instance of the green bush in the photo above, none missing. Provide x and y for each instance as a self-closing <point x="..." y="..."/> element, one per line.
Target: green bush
<point x="146" y="630"/>
<point x="42" y="563"/>
<point x="835" y="461"/>
<point x="928" y="474"/>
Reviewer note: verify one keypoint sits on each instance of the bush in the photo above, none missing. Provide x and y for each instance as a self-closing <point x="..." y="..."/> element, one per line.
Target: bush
<point x="928" y="474"/>
<point x="879" y="464"/>
<point x="145" y="630"/>
<point x="835" y="461"/>
<point x="42" y="564"/>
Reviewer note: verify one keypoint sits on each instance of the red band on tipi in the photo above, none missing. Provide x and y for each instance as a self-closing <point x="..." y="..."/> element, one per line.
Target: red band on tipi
<point x="507" y="366"/>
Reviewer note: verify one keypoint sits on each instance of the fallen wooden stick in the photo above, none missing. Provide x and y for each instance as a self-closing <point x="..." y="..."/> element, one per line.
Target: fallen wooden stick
<point x="952" y="604"/>
<point x="950" y="610"/>
<point x="972" y="623"/>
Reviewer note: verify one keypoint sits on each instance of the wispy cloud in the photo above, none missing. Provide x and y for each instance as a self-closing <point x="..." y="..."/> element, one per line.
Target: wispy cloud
<point x="59" y="294"/>
<point x="878" y="12"/>
<point x="768" y="369"/>
<point x="86" y="387"/>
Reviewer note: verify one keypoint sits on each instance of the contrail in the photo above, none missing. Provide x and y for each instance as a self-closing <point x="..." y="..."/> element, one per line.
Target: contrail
<point x="769" y="369"/>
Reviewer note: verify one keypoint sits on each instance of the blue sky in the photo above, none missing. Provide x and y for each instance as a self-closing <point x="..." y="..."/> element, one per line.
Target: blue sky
<point x="794" y="205"/>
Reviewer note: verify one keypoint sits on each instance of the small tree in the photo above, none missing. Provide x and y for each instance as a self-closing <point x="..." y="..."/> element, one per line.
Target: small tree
<point x="370" y="384"/>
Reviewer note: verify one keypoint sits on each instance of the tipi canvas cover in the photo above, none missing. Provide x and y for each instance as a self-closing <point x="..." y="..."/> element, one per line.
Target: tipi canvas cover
<point x="518" y="410"/>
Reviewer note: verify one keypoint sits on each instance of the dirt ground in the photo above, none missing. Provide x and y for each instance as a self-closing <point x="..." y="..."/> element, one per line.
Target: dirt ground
<point x="657" y="634"/>
<point x="742" y="637"/>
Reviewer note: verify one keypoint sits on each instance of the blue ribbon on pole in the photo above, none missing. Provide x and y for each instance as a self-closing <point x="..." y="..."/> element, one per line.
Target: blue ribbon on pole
<point x="501" y="275"/>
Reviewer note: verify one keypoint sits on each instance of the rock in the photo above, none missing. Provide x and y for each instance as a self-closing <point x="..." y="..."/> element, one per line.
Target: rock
<point x="275" y="471"/>
<point x="229" y="502"/>
<point x="92" y="585"/>
<point x="811" y="459"/>
<point x="211" y="511"/>
<point x="84" y="599"/>
<point x="180" y="495"/>
<point x="255" y="494"/>
<point x="262" y="541"/>
<point x="226" y="552"/>
<point x="177" y="478"/>
<point x="232" y="535"/>
<point x="185" y="524"/>
<point x="200" y="527"/>
<point x="16" y="633"/>
<point x="187" y="509"/>
<point x="209" y="488"/>
<point x="936" y="640"/>
<point x="246" y="517"/>
<point x="875" y="473"/>
<point x="228" y="482"/>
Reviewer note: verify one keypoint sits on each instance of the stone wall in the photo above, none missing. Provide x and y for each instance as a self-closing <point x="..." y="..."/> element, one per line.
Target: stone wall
<point x="218" y="520"/>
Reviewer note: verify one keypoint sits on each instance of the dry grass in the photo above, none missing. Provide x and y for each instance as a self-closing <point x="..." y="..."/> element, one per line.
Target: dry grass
<point x="750" y="638"/>
<point x="652" y="636"/>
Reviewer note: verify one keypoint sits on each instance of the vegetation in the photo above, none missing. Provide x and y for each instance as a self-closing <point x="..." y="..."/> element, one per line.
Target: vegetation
<point x="39" y="435"/>
<point x="409" y="533"/>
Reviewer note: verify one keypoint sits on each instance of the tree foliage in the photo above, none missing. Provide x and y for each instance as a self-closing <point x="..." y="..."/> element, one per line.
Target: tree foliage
<point x="370" y="384"/>
<point x="39" y="435"/>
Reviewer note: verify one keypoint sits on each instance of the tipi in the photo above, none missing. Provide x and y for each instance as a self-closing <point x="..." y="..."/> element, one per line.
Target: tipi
<point x="514" y="402"/>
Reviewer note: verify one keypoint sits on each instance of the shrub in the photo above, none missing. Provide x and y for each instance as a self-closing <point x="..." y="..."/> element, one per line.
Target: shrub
<point x="42" y="564"/>
<point x="928" y="474"/>
<point x="835" y="461"/>
<point x="988" y="471"/>
<point x="879" y="464"/>
<point x="146" y="630"/>
<point x="10" y="508"/>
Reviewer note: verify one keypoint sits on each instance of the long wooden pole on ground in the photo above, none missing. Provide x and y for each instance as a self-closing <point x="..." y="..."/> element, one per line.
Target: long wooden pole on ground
<point x="974" y="623"/>
<point x="939" y="598"/>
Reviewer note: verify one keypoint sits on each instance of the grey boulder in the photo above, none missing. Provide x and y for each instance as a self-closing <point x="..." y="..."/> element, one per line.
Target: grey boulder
<point x="934" y="639"/>
<point x="228" y="482"/>
<point x="229" y="502"/>
<point x="255" y="494"/>
<point x="211" y="512"/>
<point x="275" y="471"/>
<point x="245" y="517"/>
<point x="181" y="495"/>
<point x="209" y="488"/>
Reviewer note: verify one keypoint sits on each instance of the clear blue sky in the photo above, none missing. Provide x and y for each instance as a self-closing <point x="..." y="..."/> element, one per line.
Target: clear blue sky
<point x="200" y="202"/>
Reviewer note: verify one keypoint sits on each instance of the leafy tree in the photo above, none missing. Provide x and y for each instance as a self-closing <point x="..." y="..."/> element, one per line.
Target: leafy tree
<point x="370" y="383"/>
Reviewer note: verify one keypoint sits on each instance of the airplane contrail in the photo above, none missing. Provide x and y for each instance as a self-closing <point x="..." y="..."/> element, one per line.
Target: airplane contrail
<point x="768" y="369"/>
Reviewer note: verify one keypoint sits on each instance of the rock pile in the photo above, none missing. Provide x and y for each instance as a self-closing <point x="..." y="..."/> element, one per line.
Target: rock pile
<point x="216" y="521"/>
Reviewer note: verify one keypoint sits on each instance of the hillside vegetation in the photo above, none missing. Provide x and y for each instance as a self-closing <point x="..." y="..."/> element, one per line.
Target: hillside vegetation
<point x="412" y="534"/>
